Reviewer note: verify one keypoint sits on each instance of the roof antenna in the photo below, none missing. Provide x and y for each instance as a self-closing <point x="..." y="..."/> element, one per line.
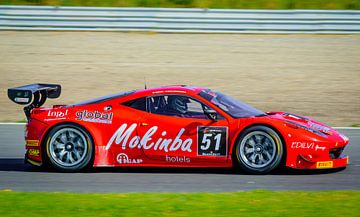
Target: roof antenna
<point x="145" y="82"/>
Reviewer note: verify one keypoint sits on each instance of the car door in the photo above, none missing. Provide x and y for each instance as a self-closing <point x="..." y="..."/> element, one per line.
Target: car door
<point x="176" y="131"/>
<point x="118" y="135"/>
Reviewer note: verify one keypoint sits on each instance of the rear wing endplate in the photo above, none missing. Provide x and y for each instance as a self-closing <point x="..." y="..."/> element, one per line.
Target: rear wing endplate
<point x="33" y="95"/>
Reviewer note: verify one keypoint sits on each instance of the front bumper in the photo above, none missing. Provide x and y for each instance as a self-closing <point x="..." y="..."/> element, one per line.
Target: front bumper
<point x="306" y="163"/>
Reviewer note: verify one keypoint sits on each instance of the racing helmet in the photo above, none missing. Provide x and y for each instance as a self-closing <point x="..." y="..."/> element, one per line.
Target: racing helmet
<point x="178" y="103"/>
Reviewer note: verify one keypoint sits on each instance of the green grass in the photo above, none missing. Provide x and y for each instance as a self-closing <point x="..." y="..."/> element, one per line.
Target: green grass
<point x="250" y="203"/>
<point x="355" y="125"/>
<point x="242" y="4"/>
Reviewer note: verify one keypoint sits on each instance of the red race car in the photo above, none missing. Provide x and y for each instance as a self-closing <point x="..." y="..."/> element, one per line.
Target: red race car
<point x="172" y="126"/>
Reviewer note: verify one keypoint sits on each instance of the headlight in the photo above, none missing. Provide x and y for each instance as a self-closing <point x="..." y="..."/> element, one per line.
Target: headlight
<point x="345" y="138"/>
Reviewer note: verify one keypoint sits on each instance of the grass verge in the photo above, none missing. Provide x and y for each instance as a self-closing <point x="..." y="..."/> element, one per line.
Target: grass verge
<point x="249" y="203"/>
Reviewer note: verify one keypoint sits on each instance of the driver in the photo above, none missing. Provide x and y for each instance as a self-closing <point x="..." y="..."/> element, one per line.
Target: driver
<point x="177" y="105"/>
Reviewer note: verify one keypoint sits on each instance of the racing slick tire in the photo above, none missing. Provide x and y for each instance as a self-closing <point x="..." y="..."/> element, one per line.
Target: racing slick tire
<point x="258" y="150"/>
<point x="68" y="148"/>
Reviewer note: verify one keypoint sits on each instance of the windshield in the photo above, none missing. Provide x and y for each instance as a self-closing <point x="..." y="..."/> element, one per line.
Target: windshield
<point x="231" y="106"/>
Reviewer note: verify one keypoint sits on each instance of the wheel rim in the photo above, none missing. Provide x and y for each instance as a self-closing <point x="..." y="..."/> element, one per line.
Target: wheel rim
<point x="257" y="149"/>
<point x="68" y="147"/>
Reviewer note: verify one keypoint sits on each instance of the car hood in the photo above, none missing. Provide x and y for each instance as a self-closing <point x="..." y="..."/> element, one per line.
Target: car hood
<point x="309" y="124"/>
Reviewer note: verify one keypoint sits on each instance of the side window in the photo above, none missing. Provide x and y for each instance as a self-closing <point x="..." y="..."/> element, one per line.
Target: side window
<point x="139" y="104"/>
<point x="176" y="105"/>
<point x="195" y="107"/>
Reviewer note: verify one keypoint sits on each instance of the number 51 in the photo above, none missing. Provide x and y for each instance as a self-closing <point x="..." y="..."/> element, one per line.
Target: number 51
<point x="206" y="140"/>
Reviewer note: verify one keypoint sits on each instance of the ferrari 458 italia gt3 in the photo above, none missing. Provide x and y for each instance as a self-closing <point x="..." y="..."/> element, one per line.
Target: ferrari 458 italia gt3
<point x="172" y="126"/>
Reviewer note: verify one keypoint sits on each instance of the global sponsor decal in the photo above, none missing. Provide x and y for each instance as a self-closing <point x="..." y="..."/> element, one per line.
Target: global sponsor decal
<point x="324" y="164"/>
<point x="95" y="116"/>
<point x="307" y="145"/>
<point x="177" y="159"/>
<point x="34" y="152"/>
<point x="123" y="136"/>
<point x="57" y="114"/>
<point x="122" y="158"/>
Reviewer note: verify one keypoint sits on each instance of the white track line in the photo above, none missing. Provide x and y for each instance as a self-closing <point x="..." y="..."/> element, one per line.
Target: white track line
<point x="347" y="128"/>
<point x="340" y="128"/>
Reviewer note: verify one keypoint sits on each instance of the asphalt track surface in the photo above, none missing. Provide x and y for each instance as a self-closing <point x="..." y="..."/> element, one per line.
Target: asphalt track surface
<point x="16" y="175"/>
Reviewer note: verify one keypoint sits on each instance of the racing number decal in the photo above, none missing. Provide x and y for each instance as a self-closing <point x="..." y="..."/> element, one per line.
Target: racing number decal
<point x="212" y="141"/>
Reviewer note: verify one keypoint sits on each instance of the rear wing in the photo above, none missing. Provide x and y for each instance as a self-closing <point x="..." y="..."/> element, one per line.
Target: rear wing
<point x="33" y="95"/>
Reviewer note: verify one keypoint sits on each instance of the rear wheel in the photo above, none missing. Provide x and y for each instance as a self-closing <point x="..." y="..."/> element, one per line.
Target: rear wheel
<point x="69" y="148"/>
<point x="259" y="150"/>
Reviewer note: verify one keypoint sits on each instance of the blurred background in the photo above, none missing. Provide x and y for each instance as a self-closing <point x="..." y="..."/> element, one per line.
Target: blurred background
<point x="229" y="4"/>
<point x="301" y="61"/>
<point x="299" y="56"/>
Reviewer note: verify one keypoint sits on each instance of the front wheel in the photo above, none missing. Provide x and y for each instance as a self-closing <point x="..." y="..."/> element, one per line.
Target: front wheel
<point x="258" y="150"/>
<point x="69" y="148"/>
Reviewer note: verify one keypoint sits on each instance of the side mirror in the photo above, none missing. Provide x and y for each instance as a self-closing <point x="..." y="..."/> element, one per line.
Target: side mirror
<point x="211" y="114"/>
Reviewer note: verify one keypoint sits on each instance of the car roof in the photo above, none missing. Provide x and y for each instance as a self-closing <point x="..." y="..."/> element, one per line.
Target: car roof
<point x="171" y="89"/>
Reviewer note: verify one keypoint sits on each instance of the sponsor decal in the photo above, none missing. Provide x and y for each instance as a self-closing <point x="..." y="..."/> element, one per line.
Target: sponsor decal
<point x="177" y="159"/>
<point x="307" y="145"/>
<point x="212" y="141"/>
<point x="20" y="99"/>
<point x="32" y="142"/>
<point x="322" y="148"/>
<point x="57" y="114"/>
<point x="123" y="134"/>
<point x="168" y="91"/>
<point x="95" y="116"/>
<point x="319" y="133"/>
<point x="319" y="128"/>
<point x="34" y="152"/>
<point x="122" y="158"/>
<point x="324" y="164"/>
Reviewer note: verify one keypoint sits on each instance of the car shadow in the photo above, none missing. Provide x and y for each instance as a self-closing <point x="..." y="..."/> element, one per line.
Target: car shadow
<point x="18" y="165"/>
